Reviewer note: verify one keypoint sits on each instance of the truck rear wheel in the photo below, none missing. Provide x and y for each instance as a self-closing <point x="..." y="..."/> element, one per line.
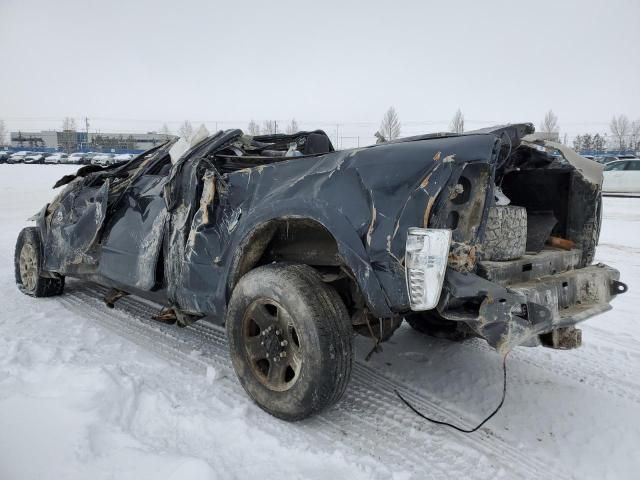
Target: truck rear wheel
<point x="290" y="339"/>
<point x="28" y="267"/>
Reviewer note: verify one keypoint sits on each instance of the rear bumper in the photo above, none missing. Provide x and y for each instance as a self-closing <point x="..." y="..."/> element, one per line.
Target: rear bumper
<point x="521" y="313"/>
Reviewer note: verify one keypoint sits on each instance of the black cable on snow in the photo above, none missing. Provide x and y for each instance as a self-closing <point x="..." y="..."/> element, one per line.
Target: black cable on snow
<point x="463" y="430"/>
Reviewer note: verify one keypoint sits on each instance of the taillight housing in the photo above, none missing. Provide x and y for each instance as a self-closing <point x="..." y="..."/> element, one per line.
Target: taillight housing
<point x="426" y="255"/>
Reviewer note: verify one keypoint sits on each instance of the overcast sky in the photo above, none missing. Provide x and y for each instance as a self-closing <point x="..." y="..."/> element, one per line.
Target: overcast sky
<point x="135" y="64"/>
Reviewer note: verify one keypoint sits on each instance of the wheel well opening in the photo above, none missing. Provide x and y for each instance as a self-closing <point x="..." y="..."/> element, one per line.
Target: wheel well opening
<point x="298" y="240"/>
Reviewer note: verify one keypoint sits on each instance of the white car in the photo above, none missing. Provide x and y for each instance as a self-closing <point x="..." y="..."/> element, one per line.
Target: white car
<point x="76" y="157"/>
<point x="18" y="157"/>
<point x="622" y="176"/>
<point x="35" y="157"/>
<point x="103" y="159"/>
<point x="123" y="157"/>
<point x="57" y="158"/>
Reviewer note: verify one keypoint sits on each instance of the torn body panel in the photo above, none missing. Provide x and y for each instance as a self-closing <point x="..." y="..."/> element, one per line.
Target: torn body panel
<point x="74" y="226"/>
<point x="133" y="236"/>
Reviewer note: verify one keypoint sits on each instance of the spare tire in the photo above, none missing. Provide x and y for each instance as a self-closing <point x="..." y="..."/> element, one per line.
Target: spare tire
<point x="505" y="236"/>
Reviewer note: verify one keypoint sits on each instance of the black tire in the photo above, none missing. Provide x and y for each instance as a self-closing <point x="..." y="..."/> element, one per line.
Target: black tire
<point x="28" y="267"/>
<point x="505" y="235"/>
<point x="431" y="324"/>
<point x="318" y="334"/>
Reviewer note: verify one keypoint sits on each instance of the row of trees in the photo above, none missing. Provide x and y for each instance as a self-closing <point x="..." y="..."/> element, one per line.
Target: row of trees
<point x="624" y="134"/>
<point x="270" y="127"/>
<point x="390" y="127"/>
<point x="624" y="137"/>
<point x="588" y="143"/>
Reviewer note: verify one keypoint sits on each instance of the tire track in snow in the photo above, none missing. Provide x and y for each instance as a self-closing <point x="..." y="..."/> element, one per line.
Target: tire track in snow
<point x="180" y="352"/>
<point x="369" y="412"/>
<point x="614" y="341"/>
<point x="581" y="367"/>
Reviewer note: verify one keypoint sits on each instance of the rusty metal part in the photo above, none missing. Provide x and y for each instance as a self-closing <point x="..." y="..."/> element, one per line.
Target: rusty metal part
<point x="562" y="243"/>
<point x="564" y="338"/>
<point x="167" y="316"/>
<point x="113" y="296"/>
<point x="462" y="256"/>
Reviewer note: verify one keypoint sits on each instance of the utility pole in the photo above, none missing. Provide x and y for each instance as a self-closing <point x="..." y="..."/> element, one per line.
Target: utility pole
<point x="86" y="125"/>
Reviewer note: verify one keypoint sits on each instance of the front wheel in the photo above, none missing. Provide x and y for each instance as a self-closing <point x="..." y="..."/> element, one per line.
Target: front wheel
<point x="290" y="339"/>
<point x="28" y="267"/>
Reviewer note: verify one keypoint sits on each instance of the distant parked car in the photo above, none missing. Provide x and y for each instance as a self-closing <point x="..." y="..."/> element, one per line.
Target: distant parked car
<point x="4" y="156"/>
<point x="622" y="176"/>
<point x="123" y="157"/>
<point x="103" y="159"/>
<point x="57" y="158"/>
<point x="18" y="157"/>
<point x="36" y="157"/>
<point x="88" y="157"/>
<point x="76" y="157"/>
<point x="605" y="159"/>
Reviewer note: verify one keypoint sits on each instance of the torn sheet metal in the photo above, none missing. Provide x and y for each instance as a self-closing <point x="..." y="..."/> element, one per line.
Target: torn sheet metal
<point x="590" y="170"/>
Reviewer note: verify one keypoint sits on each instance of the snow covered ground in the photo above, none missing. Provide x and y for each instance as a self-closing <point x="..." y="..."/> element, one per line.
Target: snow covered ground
<point x="92" y="393"/>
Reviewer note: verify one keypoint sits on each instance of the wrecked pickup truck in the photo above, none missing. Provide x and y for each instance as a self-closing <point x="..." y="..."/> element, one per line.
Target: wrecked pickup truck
<point x="295" y="246"/>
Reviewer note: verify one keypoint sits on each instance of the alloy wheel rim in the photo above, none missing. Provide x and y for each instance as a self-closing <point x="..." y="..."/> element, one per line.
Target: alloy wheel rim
<point x="28" y="267"/>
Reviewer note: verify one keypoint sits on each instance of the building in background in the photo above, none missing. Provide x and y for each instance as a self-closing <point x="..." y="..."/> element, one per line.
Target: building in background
<point x="31" y="140"/>
<point x="74" y="141"/>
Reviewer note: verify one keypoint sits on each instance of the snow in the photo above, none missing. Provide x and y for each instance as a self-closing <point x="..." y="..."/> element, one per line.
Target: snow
<point x="87" y="392"/>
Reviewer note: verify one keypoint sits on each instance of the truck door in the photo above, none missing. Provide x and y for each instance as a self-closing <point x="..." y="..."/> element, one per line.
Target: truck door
<point x="135" y="231"/>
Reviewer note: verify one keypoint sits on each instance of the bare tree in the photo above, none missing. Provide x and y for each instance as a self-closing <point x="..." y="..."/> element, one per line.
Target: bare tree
<point x="186" y="130"/>
<point x="269" y="127"/>
<point x="253" y="128"/>
<point x="457" y="122"/>
<point x="3" y="132"/>
<point x="390" y="126"/>
<point x="599" y="143"/>
<point x="578" y="143"/>
<point x="620" y="128"/>
<point x="292" y="127"/>
<point x="634" y="136"/>
<point x="550" y="123"/>
<point x="69" y="124"/>
<point x="165" y="132"/>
